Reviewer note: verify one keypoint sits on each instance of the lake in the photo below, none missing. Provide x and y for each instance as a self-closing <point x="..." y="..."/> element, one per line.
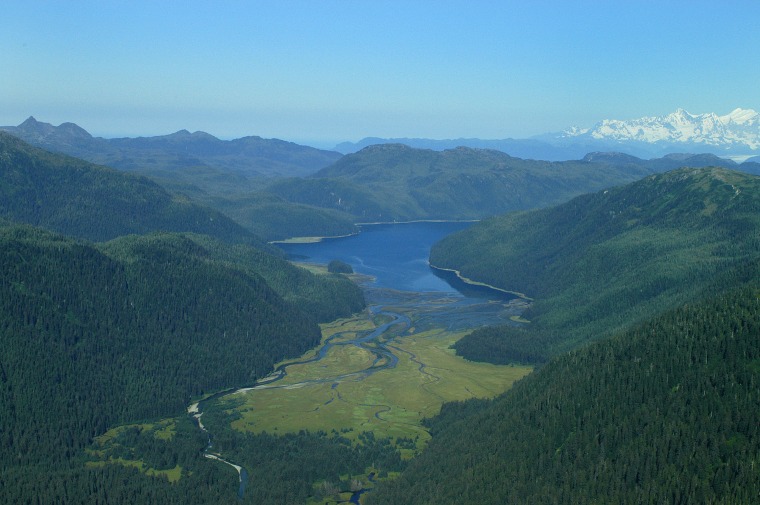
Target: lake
<point x="395" y="255"/>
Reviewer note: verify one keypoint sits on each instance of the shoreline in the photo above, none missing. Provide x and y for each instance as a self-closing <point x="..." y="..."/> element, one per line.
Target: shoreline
<point x="472" y="282"/>
<point x="315" y="239"/>
<point x="309" y="240"/>
<point x="420" y="221"/>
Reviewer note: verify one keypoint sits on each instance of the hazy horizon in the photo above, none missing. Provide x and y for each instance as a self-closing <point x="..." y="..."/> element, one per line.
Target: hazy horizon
<point x="320" y="73"/>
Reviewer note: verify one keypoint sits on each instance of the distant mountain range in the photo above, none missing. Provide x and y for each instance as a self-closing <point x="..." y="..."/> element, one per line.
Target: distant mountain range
<point x="248" y="157"/>
<point x="278" y="189"/>
<point x="736" y="134"/>
<point x="739" y="130"/>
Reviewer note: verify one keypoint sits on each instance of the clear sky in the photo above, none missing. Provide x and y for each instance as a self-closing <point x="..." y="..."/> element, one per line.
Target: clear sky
<point x="324" y="71"/>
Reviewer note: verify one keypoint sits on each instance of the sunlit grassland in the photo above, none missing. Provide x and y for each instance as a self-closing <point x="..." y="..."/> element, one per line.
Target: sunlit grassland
<point x="108" y="444"/>
<point x="172" y="474"/>
<point x="390" y="402"/>
<point x="164" y="429"/>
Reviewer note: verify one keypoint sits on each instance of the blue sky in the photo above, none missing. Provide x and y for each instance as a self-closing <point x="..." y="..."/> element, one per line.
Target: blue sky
<point x="321" y="72"/>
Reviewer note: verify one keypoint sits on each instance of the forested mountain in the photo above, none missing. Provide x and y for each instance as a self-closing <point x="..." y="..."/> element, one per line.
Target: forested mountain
<point x="394" y="182"/>
<point x="96" y="335"/>
<point x="77" y="198"/>
<point x="265" y="185"/>
<point x="274" y="218"/>
<point x="226" y="175"/>
<point x="598" y="263"/>
<point x="323" y="297"/>
<point x="663" y="413"/>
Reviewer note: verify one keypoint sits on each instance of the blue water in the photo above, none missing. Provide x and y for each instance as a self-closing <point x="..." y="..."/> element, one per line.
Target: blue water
<point x="396" y="255"/>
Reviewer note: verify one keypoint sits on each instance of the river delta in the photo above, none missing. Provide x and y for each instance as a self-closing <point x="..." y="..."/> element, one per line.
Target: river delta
<point x="379" y="373"/>
<point x="386" y="369"/>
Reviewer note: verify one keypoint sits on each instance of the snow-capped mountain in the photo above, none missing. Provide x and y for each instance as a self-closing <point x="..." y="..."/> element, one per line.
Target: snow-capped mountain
<point x="738" y="129"/>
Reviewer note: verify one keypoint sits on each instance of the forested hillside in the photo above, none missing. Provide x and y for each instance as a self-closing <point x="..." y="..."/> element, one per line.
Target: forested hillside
<point x="274" y="218"/>
<point x="663" y="413"/>
<point x="323" y="297"/>
<point x="80" y="199"/>
<point x="395" y="182"/>
<point x="97" y="335"/>
<point x="226" y="175"/>
<point x="602" y="261"/>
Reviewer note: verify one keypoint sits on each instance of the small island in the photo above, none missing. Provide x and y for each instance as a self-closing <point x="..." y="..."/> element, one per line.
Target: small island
<point x="339" y="267"/>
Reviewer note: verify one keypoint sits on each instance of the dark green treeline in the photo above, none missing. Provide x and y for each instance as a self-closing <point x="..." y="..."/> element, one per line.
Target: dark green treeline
<point x="664" y="413"/>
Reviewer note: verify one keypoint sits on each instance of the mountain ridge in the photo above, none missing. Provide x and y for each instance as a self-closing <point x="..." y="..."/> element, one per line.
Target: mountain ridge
<point x="739" y="128"/>
<point x="734" y="134"/>
<point x="89" y="201"/>
<point x="395" y="182"/>
<point x="251" y="156"/>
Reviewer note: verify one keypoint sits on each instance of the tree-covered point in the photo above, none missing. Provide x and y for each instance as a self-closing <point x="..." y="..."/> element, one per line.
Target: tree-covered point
<point x="339" y="267"/>
<point x="663" y="413"/>
<point x="602" y="261"/>
<point x="272" y="217"/>
<point x="77" y="198"/>
<point x="322" y="297"/>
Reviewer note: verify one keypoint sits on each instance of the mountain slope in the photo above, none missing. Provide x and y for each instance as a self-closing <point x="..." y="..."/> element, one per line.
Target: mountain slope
<point x="224" y="175"/>
<point x="127" y="335"/>
<point x="394" y="182"/>
<point x="126" y="331"/>
<point x="78" y="198"/>
<point x="323" y="297"/>
<point x="664" y="413"/>
<point x="598" y="263"/>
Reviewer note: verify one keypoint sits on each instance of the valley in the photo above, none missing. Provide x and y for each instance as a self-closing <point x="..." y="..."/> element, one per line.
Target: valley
<point x="638" y="310"/>
<point x="376" y="372"/>
<point x="376" y="375"/>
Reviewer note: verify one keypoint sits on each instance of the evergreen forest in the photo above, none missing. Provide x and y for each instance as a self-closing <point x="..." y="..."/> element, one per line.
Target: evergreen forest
<point x="96" y="335"/>
<point x="119" y="303"/>
<point x="603" y="261"/>
<point x="665" y="412"/>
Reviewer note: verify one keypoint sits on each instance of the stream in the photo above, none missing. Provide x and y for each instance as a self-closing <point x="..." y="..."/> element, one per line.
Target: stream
<point x="384" y="359"/>
<point x="431" y="309"/>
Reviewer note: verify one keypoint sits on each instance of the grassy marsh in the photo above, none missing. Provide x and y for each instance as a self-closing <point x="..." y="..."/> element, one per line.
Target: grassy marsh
<point x="323" y="395"/>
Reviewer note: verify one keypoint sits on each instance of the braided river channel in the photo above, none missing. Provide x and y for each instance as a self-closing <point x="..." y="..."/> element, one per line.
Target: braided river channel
<point x="402" y="291"/>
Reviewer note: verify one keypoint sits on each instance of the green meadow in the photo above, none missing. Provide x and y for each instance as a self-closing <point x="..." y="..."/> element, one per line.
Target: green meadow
<point x="333" y="393"/>
<point x="117" y="446"/>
